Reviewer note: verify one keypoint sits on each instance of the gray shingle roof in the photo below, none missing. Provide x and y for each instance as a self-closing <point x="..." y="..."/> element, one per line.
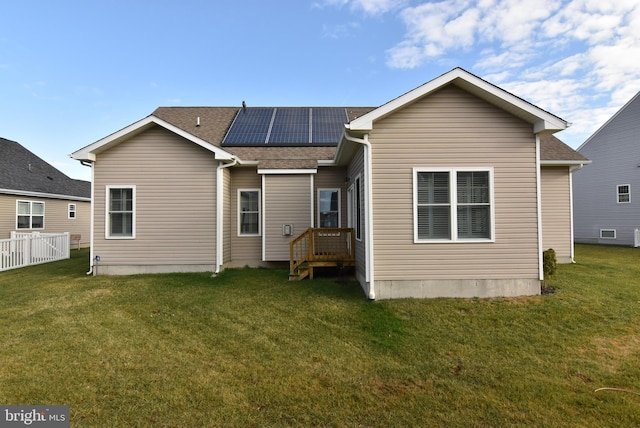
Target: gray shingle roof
<point x="215" y="121"/>
<point x="23" y="171"/>
<point x="553" y="149"/>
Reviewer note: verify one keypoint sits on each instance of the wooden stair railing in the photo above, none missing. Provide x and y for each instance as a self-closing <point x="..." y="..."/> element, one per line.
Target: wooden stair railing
<point x="317" y="247"/>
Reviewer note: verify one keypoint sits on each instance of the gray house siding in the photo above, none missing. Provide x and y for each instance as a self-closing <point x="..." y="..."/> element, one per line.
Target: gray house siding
<point x="615" y="152"/>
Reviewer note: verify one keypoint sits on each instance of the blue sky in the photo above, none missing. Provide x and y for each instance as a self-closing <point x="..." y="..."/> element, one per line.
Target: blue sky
<point x="72" y="72"/>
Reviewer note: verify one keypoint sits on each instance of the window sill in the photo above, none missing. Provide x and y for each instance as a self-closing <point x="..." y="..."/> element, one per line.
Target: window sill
<point x="449" y="241"/>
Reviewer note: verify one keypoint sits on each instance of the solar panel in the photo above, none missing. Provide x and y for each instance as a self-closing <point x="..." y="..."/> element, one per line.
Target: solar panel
<point x="250" y="127"/>
<point x="286" y="126"/>
<point x="327" y="124"/>
<point x="290" y="126"/>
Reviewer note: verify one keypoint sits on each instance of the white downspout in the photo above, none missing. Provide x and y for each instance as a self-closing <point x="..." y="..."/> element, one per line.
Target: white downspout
<point x="368" y="167"/>
<point x="571" y="171"/>
<point x="539" y="210"/>
<point x="220" y="212"/>
<point x="91" y="211"/>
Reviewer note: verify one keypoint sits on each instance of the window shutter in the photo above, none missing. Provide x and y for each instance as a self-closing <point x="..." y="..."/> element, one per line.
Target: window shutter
<point x="434" y="218"/>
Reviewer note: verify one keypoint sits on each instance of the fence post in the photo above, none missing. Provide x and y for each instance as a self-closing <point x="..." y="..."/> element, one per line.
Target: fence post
<point x="26" y="242"/>
<point x="67" y="243"/>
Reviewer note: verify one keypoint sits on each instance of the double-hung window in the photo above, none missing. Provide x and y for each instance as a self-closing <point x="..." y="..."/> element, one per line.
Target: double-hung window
<point x="453" y="204"/>
<point x="624" y="193"/>
<point x="121" y="214"/>
<point x="29" y="215"/>
<point x="248" y="212"/>
<point x="71" y="211"/>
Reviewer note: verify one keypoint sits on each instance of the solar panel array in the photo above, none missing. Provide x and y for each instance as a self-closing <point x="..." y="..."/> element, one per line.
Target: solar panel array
<point x="286" y="126"/>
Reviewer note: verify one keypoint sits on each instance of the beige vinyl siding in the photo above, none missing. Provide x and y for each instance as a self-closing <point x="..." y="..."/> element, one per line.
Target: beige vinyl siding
<point x="556" y="212"/>
<point x="174" y="205"/>
<point x="227" y="216"/>
<point x="452" y="128"/>
<point x="287" y="201"/>
<point x="55" y="217"/>
<point x="245" y="250"/>
<point x="331" y="178"/>
<point x="7" y="215"/>
<point x="356" y="168"/>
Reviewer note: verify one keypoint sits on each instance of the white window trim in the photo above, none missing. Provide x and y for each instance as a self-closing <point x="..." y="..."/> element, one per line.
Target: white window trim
<point x="330" y="189"/>
<point x="107" y="218"/>
<point x="453" y="204"/>
<point x="72" y="208"/>
<point x="608" y="237"/>
<point x="44" y="217"/>
<point x="238" y="204"/>
<point x="618" y="193"/>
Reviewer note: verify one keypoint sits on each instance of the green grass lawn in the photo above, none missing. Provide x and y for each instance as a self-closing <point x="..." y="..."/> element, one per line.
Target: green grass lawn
<point x="250" y="348"/>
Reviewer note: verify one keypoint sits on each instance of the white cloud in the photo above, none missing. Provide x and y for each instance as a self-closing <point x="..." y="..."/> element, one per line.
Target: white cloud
<point x="575" y="58"/>
<point x="371" y="7"/>
<point x="374" y="7"/>
<point x="513" y="21"/>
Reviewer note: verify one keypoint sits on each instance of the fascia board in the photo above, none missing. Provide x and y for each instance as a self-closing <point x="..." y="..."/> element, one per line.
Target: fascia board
<point x="542" y="120"/>
<point x="43" y="195"/>
<point x="88" y="153"/>
<point x="287" y="171"/>
<point x="564" y="162"/>
<point x="326" y="162"/>
<point x="365" y="122"/>
<point x="553" y="124"/>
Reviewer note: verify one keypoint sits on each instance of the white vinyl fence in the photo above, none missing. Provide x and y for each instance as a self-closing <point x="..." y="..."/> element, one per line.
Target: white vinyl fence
<point x="637" y="238"/>
<point x="24" y="249"/>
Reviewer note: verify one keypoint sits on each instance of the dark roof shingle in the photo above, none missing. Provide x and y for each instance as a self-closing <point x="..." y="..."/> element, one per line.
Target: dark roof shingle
<point x="553" y="149"/>
<point x="21" y="170"/>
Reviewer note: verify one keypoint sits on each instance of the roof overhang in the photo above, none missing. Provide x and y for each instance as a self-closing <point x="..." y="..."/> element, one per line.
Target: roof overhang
<point x="564" y="162"/>
<point x="88" y="153"/>
<point x="43" y="195"/>
<point x="286" y="171"/>
<point x="541" y="120"/>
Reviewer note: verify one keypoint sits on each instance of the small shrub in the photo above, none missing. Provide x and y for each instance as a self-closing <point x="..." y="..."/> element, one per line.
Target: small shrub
<point x="549" y="262"/>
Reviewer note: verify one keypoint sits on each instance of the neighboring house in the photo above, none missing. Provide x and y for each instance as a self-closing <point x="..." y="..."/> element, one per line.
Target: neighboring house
<point x="607" y="193"/>
<point x="36" y="197"/>
<point x="448" y="188"/>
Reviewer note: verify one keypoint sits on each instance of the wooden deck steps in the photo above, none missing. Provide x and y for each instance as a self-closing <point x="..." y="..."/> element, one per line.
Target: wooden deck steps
<point x="321" y="247"/>
<point x="306" y="269"/>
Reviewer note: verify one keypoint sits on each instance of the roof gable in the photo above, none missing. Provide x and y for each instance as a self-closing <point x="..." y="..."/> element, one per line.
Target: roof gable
<point x="24" y="173"/>
<point x="541" y="120"/>
<point x="636" y="98"/>
<point x="88" y="153"/>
